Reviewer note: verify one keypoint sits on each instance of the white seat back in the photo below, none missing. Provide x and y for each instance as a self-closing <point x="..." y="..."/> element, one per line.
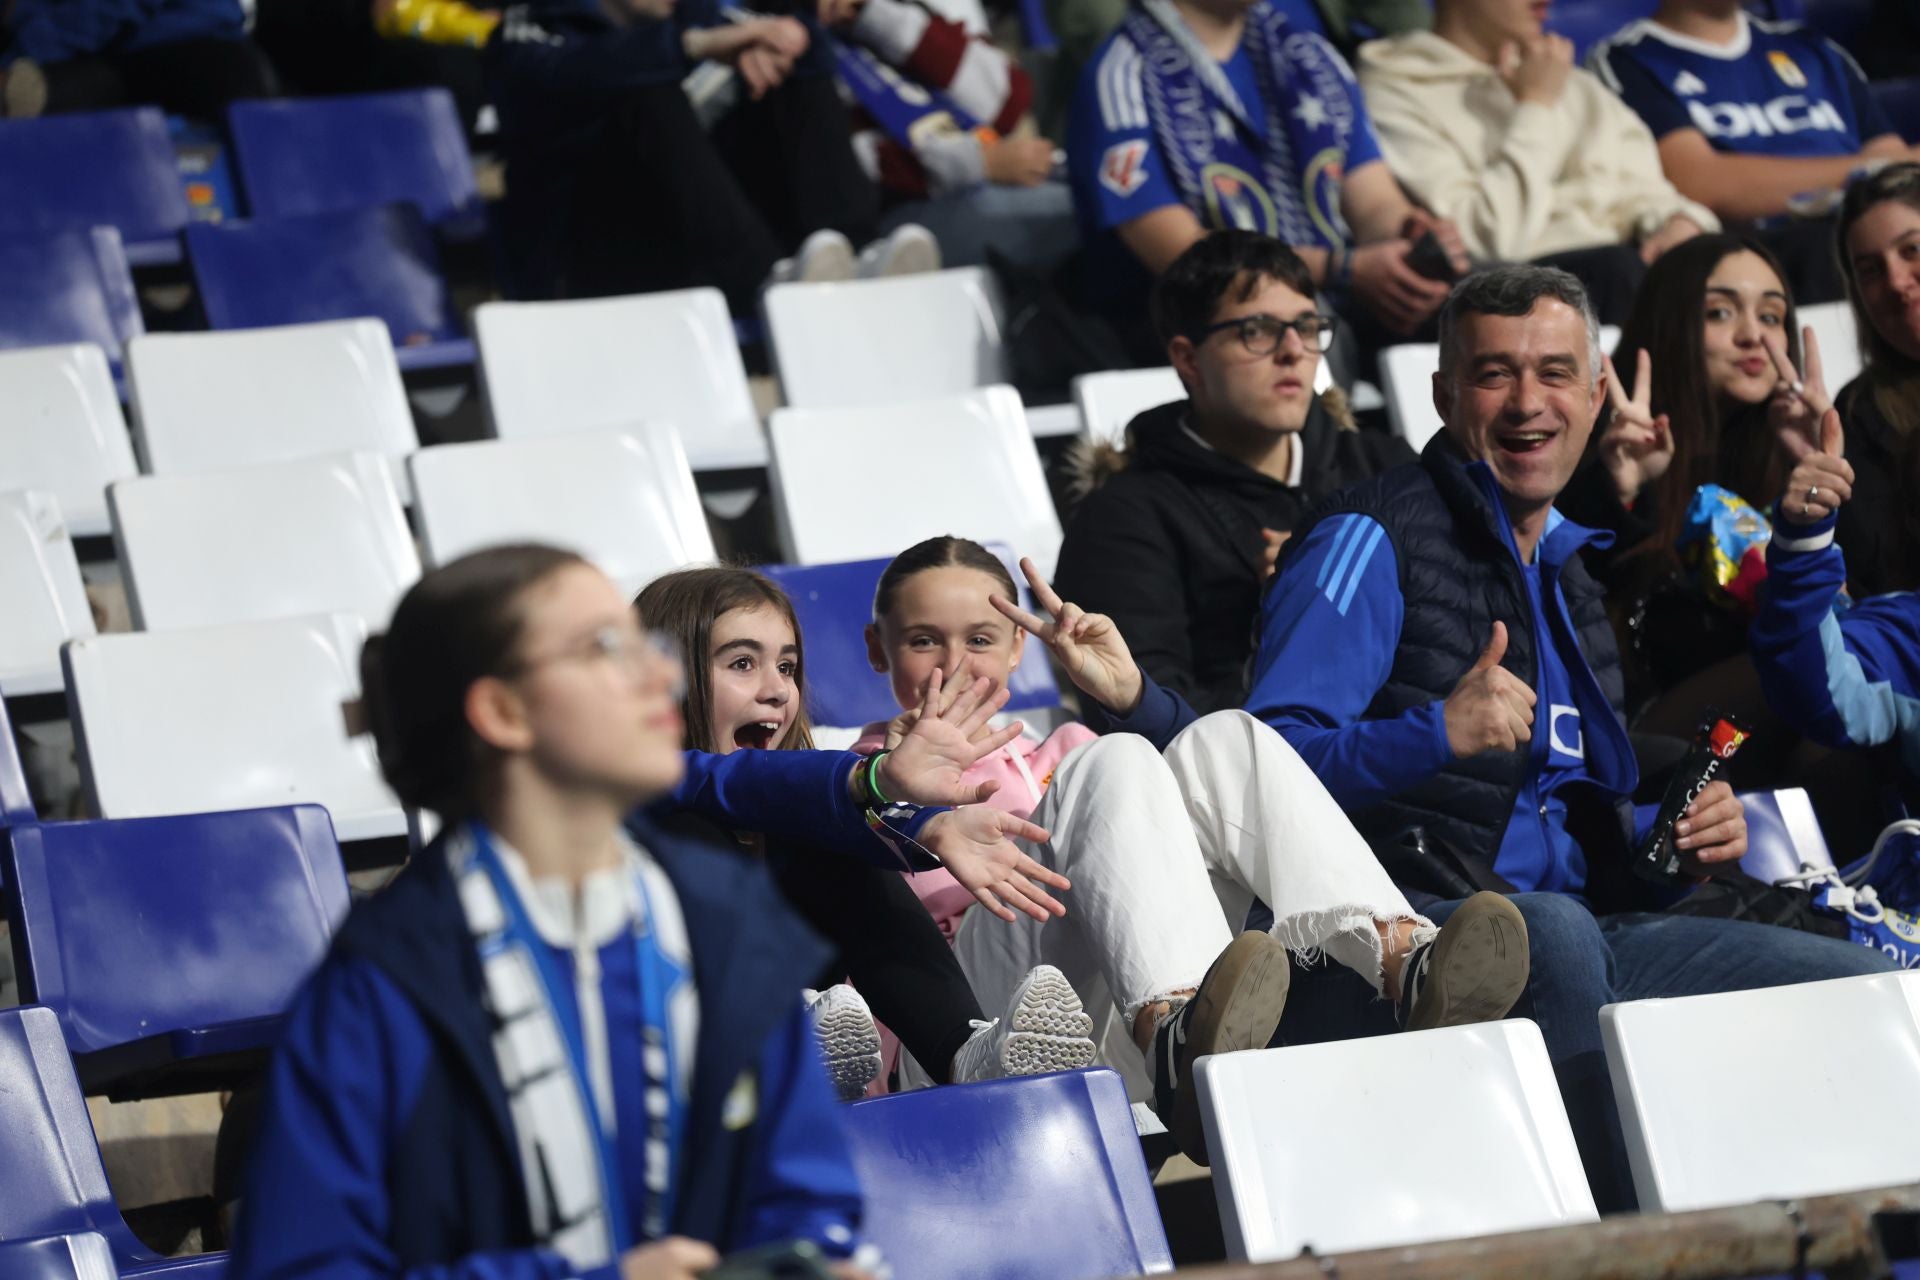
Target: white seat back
<point x="45" y="601"/>
<point x="1302" y="1141"/>
<point x="242" y="397"/>
<point x="1769" y="1094"/>
<point x="61" y="430"/>
<point x="235" y="717"/>
<point x="326" y="535"/>
<point x="553" y="368"/>
<point x="1406" y="380"/>
<point x="854" y="484"/>
<point x="623" y="499"/>
<point x="866" y="342"/>
<point x="1839" y="338"/>
<point x="1109" y="401"/>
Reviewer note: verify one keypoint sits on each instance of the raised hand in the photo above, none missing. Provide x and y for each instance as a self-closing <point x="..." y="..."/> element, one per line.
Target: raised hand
<point x="1822" y="478"/>
<point x="1798" y="403"/>
<point x="976" y="844"/>
<point x="947" y="736"/>
<point x="1536" y="70"/>
<point x="1491" y="709"/>
<point x="1088" y="645"/>
<point x="1714" y="828"/>
<point x="1637" y="446"/>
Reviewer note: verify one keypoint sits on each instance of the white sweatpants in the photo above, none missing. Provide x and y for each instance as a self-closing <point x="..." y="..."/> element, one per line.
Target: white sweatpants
<point x="1165" y="855"/>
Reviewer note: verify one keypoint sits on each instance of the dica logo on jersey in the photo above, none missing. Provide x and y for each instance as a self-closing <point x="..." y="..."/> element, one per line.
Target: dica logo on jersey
<point x="1785" y="115"/>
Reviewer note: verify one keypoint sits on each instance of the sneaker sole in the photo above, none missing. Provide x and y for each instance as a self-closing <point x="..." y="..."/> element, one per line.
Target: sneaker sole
<point x="1237" y="1007"/>
<point x="1050" y="1030"/>
<point x="1478" y="970"/>
<point x="851" y="1048"/>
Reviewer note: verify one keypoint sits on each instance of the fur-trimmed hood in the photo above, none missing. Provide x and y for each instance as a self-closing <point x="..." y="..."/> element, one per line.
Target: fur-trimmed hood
<point x="1155" y="439"/>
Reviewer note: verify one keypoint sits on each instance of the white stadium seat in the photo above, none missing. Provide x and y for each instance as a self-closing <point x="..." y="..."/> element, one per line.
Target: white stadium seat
<point x="209" y="401"/>
<point x="1771" y="1094"/>
<point x="1406" y="380"/>
<point x="623" y="499"/>
<point x="326" y="535"/>
<point x="45" y="603"/>
<point x="1309" y="1144"/>
<point x="234" y="717"/>
<point x="553" y="368"/>
<point x="1109" y="401"/>
<point x="856" y="483"/>
<point x="61" y="430"/>
<point x="1839" y="338"/>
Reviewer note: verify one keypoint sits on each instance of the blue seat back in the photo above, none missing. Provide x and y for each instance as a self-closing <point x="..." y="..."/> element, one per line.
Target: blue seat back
<point x="67" y="286"/>
<point x="1587" y="22"/>
<point x="55" y="1183"/>
<point x="135" y="927"/>
<point x="85" y="1256"/>
<point x="94" y="169"/>
<point x="325" y="266"/>
<point x="323" y="155"/>
<point x="1034" y="1178"/>
<point x="834" y="603"/>
<point x="1900" y="99"/>
<point x="16" y="803"/>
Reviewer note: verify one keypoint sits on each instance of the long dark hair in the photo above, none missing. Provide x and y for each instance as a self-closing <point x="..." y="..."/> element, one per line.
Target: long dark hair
<point x="1734" y="449"/>
<point x="1892" y="378"/>
<point x="460" y="623"/>
<point x="685" y="605"/>
<point x="943" y="552"/>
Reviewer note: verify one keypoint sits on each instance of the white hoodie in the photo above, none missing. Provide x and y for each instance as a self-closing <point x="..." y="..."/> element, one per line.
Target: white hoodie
<point x="1522" y="180"/>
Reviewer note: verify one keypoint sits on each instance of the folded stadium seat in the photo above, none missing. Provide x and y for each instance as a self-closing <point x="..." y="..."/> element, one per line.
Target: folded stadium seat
<point x="868" y="342"/>
<point x="324" y="155"/>
<point x="1109" y="401"/>
<point x="1406" y="380"/>
<point x="1839" y="338"/>
<point x="245" y="716"/>
<point x="324" y="535"/>
<point x="1769" y="1094"/>
<point x="16" y="803"/>
<point x="170" y="948"/>
<point x="552" y="368"/>
<point x="62" y="430"/>
<point x="873" y="480"/>
<point x="83" y="1255"/>
<point x="623" y="499"/>
<point x="206" y="401"/>
<point x="1302" y="1153"/>
<point x="332" y="266"/>
<point x="1034" y="1178"/>
<point x="1783" y="835"/>
<point x="834" y="603"/>
<point x="55" y="1183"/>
<point x="1587" y="22"/>
<point x="95" y="169"/>
<point x="46" y="602"/>
<point x="67" y="286"/>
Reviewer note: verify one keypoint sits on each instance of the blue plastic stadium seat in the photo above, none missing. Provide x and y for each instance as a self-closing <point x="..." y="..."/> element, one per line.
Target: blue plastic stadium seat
<point x="16" y="804"/>
<point x="1035" y="1178"/>
<point x="83" y="1256"/>
<point x="51" y="1179"/>
<point x="169" y="948"/>
<point x="332" y="266"/>
<point x="325" y="155"/>
<point x="1900" y="99"/>
<point x="67" y="286"/>
<point x="1587" y="22"/>
<point x="95" y="169"/>
<point x="835" y="603"/>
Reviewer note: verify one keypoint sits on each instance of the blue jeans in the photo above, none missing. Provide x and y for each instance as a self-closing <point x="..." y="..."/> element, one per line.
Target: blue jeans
<point x="1033" y="226"/>
<point x="1579" y="963"/>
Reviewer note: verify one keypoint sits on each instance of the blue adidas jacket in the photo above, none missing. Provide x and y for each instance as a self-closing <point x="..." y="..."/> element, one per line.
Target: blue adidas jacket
<point x="56" y="30"/>
<point x="1851" y="680"/>
<point x="386" y="1148"/>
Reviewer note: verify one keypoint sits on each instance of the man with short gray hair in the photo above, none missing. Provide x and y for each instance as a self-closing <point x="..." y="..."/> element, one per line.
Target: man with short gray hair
<point x="1433" y="648"/>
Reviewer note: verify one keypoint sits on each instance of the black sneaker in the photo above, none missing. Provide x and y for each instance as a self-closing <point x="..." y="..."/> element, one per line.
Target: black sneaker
<point x="1238" y="1006"/>
<point x="1473" y="970"/>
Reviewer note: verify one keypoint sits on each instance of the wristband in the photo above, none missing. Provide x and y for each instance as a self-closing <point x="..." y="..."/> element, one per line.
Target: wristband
<point x="874" y="793"/>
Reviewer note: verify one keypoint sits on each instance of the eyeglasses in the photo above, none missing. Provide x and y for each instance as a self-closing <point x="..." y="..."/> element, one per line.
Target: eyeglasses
<point x="1262" y="334"/>
<point x="628" y="647"/>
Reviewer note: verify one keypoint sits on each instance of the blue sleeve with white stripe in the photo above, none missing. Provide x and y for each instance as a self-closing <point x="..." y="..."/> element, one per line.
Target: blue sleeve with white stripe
<point x="1847" y="681"/>
<point x="1329" y="629"/>
<point x="1113" y="161"/>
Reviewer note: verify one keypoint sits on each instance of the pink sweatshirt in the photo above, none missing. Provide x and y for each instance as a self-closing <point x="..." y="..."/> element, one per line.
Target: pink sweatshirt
<point x="1023" y="768"/>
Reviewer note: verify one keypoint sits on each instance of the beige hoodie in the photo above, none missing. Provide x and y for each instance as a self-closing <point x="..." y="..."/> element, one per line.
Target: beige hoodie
<point x="1522" y="180"/>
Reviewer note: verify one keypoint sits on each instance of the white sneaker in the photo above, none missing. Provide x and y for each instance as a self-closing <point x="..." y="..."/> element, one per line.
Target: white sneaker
<point x="849" y="1042"/>
<point x="824" y="255"/>
<point x="910" y="250"/>
<point x="1046" y="1029"/>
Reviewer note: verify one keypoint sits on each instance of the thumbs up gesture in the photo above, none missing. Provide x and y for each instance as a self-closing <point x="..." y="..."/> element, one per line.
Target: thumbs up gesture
<point x="1822" y="477"/>
<point x="1491" y="709"/>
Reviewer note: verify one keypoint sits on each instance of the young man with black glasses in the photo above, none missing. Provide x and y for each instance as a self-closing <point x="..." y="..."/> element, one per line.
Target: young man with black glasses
<point x="1180" y="529"/>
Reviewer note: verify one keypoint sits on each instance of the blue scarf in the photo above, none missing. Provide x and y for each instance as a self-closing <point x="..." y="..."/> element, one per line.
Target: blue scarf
<point x="906" y="111"/>
<point x="1213" y="144"/>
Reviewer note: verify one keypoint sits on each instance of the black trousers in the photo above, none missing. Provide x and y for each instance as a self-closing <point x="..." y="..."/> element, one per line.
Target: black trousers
<point x="1805" y="247"/>
<point x="659" y="203"/>
<point x="1611" y="272"/>
<point x="330" y="46"/>
<point x="193" y="78"/>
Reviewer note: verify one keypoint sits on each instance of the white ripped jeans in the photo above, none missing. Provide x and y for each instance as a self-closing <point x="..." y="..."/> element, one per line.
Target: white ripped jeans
<point x="1166" y="854"/>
